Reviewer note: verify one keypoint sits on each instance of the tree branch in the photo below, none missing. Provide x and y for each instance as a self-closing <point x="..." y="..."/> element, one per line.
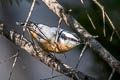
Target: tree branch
<point x="43" y="56"/>
<point x="83" y="34"/>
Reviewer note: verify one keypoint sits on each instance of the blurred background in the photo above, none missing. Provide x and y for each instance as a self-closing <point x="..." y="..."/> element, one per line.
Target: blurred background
<point x="29" y="68"/>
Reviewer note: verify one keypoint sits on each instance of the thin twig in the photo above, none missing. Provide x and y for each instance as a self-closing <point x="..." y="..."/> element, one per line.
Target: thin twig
<point x="56" y="39"/>
<point x="2" y="61"/>
<point x="106" y="15"/>
<point x="81" y="54"/>
<point x="29" y="14"/>
<point x="103" y="15"/>
<point x="90" y="19"/>
<point x="111" y="75"/>
<point x="111" y="37"/>
<point x="13" y="65"/>
<point x="57" y="34"/>
<point x="113" y="27"/>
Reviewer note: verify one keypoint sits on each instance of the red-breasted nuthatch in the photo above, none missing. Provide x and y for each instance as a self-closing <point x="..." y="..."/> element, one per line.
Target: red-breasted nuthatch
<point x="46" y="36"/>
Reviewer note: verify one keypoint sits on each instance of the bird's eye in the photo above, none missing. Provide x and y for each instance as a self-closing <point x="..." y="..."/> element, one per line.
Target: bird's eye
<point x="64" y="36"/>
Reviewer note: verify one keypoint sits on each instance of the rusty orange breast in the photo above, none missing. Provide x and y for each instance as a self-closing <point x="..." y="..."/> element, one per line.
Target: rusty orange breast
<point x="50" y="46"/>
<point x="58" y="48"/>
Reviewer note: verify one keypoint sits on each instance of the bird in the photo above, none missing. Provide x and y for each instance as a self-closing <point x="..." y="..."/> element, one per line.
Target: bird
<point x="45" y="36"/>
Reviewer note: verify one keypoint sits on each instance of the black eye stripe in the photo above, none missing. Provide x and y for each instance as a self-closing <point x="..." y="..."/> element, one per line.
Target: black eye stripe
<point x="65" y="38"/>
